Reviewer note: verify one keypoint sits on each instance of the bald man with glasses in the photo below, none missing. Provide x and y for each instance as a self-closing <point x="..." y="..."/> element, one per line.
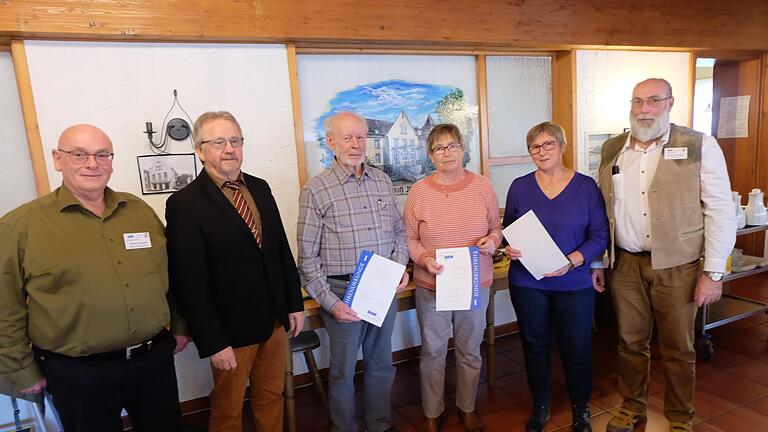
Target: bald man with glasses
<point x="84" y="308"/>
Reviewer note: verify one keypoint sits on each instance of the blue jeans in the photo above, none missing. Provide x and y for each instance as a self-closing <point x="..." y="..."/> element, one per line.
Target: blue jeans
<point x="569" y="314"/>
<point x="378" y="376"/>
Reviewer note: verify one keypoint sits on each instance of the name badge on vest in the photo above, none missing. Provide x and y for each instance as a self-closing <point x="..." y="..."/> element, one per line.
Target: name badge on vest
<point x="675" y="153"/>
<point x="137" y="241"/>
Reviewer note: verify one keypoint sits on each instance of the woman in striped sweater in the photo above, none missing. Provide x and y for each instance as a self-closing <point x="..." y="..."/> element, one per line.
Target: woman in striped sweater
<point x="452" y="207"/>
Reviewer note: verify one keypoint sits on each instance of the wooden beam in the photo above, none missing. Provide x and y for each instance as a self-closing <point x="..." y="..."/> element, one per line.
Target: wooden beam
<point x="691" y="86"/>
<point x="298" y="129"/>
<point x="29" y="113"/>
<point x="482" y="102"/>
<point x="543" y="23"/>
<point x="563" y="100"/>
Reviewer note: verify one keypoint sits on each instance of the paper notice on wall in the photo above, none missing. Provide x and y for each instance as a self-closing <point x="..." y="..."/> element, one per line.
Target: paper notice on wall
<point x="734" y="117"/>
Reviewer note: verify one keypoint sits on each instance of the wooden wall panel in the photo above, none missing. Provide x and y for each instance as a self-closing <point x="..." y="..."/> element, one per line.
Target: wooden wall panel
<point x="564" y="92"/>
<point x="741" y="78"/>
<point x="543" y="23"/>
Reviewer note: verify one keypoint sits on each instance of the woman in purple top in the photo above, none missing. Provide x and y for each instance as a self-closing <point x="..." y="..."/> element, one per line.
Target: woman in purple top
<point x="572" y="210"/>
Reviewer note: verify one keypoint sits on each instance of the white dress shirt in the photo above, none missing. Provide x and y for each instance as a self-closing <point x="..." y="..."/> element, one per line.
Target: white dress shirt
<point x="633" y="217"/>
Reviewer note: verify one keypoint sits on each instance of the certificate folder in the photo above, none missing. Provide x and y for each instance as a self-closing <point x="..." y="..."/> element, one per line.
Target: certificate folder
<point x="458" y="285"/>
<point x="372" y="287"/>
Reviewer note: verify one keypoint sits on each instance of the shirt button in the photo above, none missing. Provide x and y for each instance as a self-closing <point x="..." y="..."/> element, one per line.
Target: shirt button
<point x="131" y="309"/>
<point x="647" y="236"/>
<point x="642" y="172"/>
<point x="111" y="240"/>
<point x="133" y="332"/>
<point x="645" y="214"/>
<point x="643" y="192"/>
<point x="119" y="262"/>
<point x="127" y="285"/>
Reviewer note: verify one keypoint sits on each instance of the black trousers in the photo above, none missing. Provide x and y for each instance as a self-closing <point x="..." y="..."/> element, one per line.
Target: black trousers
<point x="89" y="393"/>
<point x="569" y="315"/>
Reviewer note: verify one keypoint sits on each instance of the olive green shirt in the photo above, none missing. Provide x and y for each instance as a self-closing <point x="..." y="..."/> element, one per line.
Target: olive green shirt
<point x="69" y="284"/>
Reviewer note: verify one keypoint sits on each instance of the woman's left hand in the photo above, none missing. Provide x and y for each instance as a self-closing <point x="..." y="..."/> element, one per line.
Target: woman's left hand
<point x="559" y="272"/>
<point x="486" y="245"/>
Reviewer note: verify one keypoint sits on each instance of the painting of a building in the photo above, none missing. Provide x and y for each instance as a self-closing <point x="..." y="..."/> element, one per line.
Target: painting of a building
<point x="399" y="115"/>
<point x="398" y="147"/>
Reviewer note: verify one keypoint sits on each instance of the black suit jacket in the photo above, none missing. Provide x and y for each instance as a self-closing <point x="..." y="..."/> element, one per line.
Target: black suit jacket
<point x="229" y="290"/>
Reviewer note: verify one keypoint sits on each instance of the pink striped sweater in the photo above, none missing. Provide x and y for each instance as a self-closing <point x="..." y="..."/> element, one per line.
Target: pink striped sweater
<point x="438" y="216"/>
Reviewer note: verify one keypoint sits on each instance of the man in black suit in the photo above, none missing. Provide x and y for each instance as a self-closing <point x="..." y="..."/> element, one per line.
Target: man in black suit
<point x="234" y="276"/>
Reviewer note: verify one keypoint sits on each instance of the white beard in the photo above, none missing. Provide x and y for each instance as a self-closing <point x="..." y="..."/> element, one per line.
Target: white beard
<point x="657" y="129"/>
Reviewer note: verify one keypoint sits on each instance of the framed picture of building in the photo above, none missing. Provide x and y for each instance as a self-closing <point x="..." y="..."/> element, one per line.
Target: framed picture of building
<point x="166" y="173"/>
<point x="401" y="97"/>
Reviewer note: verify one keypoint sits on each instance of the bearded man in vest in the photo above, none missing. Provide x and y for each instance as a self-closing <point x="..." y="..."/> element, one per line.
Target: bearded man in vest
<point x="668" y="201"/>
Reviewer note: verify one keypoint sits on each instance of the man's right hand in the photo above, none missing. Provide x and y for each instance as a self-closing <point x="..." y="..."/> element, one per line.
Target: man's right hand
<point x="224" y="359"/>
<point x="344" y="313"/>
<point x="36" y="387"/>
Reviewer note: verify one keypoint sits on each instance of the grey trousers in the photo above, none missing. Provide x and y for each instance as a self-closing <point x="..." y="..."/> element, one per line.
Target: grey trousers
<point x="435" y="326"/>
<point x="378" y="376"/>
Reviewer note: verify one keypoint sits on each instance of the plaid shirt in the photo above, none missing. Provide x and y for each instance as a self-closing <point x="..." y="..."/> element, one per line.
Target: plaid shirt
<point x="341" y="215"/>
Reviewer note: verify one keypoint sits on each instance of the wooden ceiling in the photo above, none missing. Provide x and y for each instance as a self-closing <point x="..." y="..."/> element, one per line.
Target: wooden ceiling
<point x="475" y="24"/>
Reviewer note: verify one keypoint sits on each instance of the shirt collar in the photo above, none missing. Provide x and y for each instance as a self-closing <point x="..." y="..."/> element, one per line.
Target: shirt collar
<point x="220" y="181"/>
<point x="342" y="174"/>
<point x="66" y="199"/>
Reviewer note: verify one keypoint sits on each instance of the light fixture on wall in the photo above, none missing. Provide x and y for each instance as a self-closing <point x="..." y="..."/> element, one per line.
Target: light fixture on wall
<point x="177" y="129"/>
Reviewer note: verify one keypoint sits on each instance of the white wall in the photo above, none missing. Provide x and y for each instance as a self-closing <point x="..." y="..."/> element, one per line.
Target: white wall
<point x="113" y="85"/>
<point x="604" y="83"/>
<point x="16" y="178"/>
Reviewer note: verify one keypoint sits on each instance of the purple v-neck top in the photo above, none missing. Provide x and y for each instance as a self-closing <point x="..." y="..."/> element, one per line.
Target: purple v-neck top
<point x="575" y="219"/>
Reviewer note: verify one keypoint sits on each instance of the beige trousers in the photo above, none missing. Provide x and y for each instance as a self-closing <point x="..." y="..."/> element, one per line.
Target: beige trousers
<point x="435" y="327"/>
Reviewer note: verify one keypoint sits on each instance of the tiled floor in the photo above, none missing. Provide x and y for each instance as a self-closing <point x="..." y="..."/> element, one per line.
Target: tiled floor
<point x="731" y="391"/>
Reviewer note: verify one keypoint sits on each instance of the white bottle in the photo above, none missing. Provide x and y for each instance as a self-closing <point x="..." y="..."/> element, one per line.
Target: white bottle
<point x="741" y="221"/>
<point x="755" y="213"/>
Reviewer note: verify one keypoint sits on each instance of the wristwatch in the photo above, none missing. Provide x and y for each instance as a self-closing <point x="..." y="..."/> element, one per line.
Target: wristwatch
<point x="715" y="276"/>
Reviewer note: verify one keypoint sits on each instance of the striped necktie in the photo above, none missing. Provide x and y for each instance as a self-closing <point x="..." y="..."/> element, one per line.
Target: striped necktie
<point x="242" y="208"/>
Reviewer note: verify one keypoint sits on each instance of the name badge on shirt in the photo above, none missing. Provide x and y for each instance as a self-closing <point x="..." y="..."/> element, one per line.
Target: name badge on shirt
<point x="137" y="241"/>
<point x="675" y="153"/>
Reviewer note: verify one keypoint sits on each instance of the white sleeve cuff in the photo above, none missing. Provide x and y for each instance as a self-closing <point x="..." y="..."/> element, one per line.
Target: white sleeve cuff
<point x="714" y="265"/>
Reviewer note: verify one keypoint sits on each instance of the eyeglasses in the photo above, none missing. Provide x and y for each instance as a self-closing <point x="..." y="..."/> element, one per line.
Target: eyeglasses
<point x="79" y="157"/>
<point x="220" y="143"/>
<point x="535" y="149"/>
<point x="652" y="102"/>
<point x="452" y="148"/>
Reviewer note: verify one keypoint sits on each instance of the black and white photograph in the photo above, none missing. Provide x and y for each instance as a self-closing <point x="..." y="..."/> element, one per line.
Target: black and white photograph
<point x="166" y="173"/>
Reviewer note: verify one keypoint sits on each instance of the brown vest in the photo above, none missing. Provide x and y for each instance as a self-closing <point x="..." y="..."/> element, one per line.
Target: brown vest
<point x="677" y="227"/>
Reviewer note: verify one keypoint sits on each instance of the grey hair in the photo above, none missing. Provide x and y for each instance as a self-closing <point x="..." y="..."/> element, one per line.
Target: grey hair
<point x="207" y="117"/>
<point x="666" y="83"/>
<point x="330" y="122"/>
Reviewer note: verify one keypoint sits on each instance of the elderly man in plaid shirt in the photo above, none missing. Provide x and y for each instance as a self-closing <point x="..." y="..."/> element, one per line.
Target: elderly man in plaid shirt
<point x="348" y="208"/>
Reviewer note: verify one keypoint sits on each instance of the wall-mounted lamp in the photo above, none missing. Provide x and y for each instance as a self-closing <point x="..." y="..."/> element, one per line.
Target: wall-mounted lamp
<point x="177" y="129"/>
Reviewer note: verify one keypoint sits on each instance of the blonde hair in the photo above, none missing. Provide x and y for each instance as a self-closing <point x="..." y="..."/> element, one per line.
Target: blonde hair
<point x="553" y="129"/>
